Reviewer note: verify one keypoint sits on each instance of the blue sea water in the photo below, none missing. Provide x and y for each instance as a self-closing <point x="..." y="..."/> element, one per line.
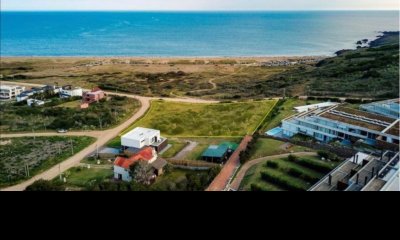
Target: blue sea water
<point x="188" y="33"/>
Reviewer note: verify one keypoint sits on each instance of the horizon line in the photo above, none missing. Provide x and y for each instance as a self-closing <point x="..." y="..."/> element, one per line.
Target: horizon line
<point x="182" y="10"/>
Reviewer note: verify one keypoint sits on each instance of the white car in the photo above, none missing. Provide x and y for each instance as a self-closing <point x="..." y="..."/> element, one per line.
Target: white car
<point x="62" y="131"/>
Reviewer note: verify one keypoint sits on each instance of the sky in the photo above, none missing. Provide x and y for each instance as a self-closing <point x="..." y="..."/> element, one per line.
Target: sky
<point x="199" y="5"/>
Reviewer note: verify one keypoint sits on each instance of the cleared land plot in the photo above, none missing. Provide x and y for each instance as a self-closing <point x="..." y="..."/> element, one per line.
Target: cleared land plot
<point x="284" y="175"/>
<point x="206" y="120"/>
<point x="38" y="154"/>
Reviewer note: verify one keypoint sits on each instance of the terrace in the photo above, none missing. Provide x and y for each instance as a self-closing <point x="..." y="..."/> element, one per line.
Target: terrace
<point x="352" y="121"/>
<point x="364" y="114"/>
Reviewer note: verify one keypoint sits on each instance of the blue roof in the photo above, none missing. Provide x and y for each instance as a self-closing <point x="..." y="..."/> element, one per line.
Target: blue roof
<point x="215" y="151"/>
<point x="218" y="151"/>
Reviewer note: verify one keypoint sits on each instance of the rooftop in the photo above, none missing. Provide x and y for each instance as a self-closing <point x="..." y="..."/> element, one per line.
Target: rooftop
<point x="364" y="114"/>
<point x="215" y="151"/>
<point x="144" y="155"/>
<point x="7" y="87"/>
<point x="358" y="118"/>
<point x="350" y="121"/>
<point x="139" y="133"/>
<point x="219" y="151"/>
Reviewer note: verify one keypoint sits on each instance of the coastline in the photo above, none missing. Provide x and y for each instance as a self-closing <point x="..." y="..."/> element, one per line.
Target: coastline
<point x="150" y="60"/>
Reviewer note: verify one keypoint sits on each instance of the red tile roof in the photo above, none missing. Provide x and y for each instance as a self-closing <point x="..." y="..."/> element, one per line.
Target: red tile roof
<point x="146" y="154"/>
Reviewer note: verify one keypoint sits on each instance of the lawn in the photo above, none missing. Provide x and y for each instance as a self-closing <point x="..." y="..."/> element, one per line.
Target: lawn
<point x="285" y="176"/>
<point x="177" y="146"/>
<point x="205" y="120"/>
<point x="268" y="147"/>
<point x="284" y="111"/>
<point x="39" y="154"/>
<point x="82" y="176"/>
<point x="72" y="104"/>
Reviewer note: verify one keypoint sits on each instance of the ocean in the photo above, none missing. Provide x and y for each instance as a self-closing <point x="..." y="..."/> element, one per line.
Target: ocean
<point x="172" y="34"/>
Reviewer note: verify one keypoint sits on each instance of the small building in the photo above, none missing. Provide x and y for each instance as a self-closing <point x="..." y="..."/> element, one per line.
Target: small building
<point x="142" y="137"/>
<point x="35" y="102"/>
<point x="10" y="92"/>
<point x="95" y="95"/>
<point x="69" y="91"/>
<point x="219" y="153"/>
<point x="148" y="154"/>
<point x="108" y="153"/>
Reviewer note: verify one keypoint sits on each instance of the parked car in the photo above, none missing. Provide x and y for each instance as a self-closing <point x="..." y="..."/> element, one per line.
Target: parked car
<point x="62" y="130"/>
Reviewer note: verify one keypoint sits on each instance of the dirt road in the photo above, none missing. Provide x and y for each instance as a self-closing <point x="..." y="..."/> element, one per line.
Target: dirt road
<point x="243" y="170"/>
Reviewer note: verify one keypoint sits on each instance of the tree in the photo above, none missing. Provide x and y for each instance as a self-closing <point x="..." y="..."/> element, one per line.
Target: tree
<point x="45" y="186"/>
<point x="141" y="172"/>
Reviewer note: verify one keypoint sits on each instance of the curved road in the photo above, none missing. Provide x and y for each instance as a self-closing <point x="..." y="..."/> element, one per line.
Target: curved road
<point x="235" y="185"/>
<point x="102" y="136"/>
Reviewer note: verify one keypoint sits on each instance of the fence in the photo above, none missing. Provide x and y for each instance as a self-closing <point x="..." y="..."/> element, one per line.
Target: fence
<point x="199" y="165"/>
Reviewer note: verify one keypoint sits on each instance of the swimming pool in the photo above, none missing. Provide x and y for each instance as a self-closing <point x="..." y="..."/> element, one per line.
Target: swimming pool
<point x="274" y="132"/>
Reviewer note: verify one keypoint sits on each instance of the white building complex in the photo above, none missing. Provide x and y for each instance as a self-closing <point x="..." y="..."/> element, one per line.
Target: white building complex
<point x="345" y="124"/>
<point x="389" y="108"/>
<point x="10" y="92"/>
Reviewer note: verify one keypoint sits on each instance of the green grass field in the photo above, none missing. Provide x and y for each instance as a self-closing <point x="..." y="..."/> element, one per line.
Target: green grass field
<point x="205" y="120"/>
<point x="269" y="147"/>
<point x="305" y="181"/>
<point x="81" y="176"/>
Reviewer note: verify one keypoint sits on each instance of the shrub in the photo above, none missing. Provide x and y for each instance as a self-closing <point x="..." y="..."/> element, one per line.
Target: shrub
<point x="328" y="155"/>
<point x="300" y="174"/>
<point x="292" y="158"/>
<point x="256" y="188"/>
<point x="272" y="164"/>
<point x="45" y="186"/>
<point x="280" y="181"/>
<point x="317" y="166"/>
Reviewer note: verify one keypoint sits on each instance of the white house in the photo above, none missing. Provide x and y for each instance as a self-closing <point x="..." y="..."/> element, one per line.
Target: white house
<point x="140" y="137"/>
<point x="9" y="92"/>
<point x="34" y="102"/>
<point x="69" y="91"/>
